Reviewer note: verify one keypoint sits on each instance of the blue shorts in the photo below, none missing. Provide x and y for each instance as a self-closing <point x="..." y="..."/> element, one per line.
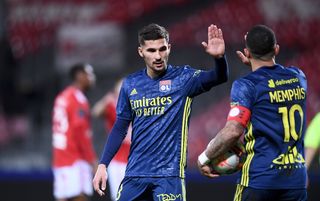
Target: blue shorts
<point x="152" y="188"/>
<point x="248" y="194"/>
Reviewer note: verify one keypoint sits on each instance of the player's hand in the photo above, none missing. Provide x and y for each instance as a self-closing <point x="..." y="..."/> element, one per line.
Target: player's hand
<point x="207" y="171"/>
<point x="243" y="58"/>
<point x="238" y="148"/>
<point x="215" y="45"/>
<point x="100" y="179"/>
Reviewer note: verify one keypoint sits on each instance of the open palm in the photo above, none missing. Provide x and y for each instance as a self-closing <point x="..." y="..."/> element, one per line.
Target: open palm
<point x="215" y="45"/>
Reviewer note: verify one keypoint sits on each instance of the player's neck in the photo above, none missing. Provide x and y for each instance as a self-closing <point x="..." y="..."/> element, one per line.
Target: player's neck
<point x="256" y="64"/>
<point x="78" y="86"/>
<point x="155" y="74"/>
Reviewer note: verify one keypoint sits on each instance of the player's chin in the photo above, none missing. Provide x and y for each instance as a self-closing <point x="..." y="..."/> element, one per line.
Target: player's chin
<point x="160" y="69"/>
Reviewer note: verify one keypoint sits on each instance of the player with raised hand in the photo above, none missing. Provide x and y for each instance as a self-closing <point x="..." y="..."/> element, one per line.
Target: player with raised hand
<point x="157" y="101"/>
<point x="269" y="106"/>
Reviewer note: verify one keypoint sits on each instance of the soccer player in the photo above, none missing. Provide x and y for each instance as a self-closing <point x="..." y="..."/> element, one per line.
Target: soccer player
<point x="269" y="105"/>
<point x="312" y="139"/>
<point x="74" y="157"/>
<point x="157" y="100"/>
<point x="106" y="108"/>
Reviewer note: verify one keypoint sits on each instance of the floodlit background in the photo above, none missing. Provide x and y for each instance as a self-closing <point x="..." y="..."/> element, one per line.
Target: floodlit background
<point x="41" y="39"/>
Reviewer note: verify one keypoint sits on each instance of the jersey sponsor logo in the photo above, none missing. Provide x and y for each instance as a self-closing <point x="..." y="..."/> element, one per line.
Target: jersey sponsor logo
<point x="150" y="106"/>
<point x="133" y="92"/>
<point x="292" y="117"/>
<point x="288" y="81"/>
<point x="271" y="84"/>
<point x="165" y="85"/>
<point x="290" y="160"/>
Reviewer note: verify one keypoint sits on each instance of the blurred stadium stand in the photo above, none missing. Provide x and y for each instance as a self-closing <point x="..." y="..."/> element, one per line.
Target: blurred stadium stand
<point x="34" y="52"/>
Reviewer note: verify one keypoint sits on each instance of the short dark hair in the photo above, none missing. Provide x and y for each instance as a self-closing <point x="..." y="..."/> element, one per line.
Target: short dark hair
<point x="260" y="41"/>
<point x="75" y="69"/>
<point x="152" y="32"/>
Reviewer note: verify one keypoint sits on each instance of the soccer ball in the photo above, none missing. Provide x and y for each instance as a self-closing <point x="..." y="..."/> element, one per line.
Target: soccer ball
<point x="229" y="162"/>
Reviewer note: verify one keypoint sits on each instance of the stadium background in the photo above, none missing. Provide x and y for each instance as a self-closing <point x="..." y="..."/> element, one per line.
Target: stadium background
<point x="40" y="39"/>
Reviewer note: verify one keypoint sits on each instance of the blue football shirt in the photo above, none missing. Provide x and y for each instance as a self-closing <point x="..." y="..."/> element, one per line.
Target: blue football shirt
<point x="159" y="110"/>
<point x="276" y="97"/>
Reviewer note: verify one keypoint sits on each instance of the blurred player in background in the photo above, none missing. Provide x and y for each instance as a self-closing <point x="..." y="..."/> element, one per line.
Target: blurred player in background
<point x="74" y="158"/>
<point x="269" y="105"/>
<point x="157" y="100"/>
<point x="312" y="140"/>
<point x="106" y="108"/>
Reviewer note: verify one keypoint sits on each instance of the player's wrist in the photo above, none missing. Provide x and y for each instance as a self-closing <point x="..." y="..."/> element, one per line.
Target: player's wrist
<point x="220" y="56"/>
<point x="203" y="158"/>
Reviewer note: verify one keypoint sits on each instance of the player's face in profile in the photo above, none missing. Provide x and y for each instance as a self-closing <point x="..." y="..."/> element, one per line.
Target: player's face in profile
<point x="155" y="54"/>
<point x="90" y="77"/>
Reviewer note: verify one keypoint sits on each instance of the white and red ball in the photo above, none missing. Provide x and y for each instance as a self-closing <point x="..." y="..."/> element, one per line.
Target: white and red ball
<point x="229" y="162"/>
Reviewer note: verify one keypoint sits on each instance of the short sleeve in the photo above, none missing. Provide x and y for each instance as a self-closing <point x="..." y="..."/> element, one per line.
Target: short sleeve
<point x="243" y="93"/>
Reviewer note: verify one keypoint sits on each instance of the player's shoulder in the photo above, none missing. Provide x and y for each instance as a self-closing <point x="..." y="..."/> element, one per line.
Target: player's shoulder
<point x="296" y="70"/>
<point x="183" y="70"/>
<point x="73" y="95"/>
<point x="249" y="80"/>
<point x="133" y="78"/>
<point x="135" y="75"/>
<point x="186" y="67"/>
<point x="63" y="97"/>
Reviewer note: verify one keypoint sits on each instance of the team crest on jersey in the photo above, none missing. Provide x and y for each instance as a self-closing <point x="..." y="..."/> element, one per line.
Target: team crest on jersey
<point x="165" y="85"/>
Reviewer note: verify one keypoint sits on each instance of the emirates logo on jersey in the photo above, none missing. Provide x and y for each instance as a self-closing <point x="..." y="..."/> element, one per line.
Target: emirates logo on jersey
<point x="165" y="85"/>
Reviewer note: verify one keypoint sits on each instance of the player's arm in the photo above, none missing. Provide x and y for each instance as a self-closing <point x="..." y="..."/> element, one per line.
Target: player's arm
<point x="242" y="96"/>
<point x="118" y="133"/>
<point x="225" y="139"/>
<point x="219" y="72"/>
<point x="116" y="136"/>
<point x="216" y="48"/>
<point x="218" y="75"/>
<point x="238" y="119"/>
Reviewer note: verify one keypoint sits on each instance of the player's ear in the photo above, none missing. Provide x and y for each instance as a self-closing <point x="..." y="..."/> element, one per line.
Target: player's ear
<point x="140" y="51"/>
<point x="276" y="49"/>
<point x="169" y="48"/>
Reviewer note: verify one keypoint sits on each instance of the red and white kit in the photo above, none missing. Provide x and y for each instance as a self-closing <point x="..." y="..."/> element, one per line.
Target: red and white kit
<point x="73" y="152"/>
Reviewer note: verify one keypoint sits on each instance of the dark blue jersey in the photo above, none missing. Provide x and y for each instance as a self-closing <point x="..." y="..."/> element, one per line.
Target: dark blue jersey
<point x="159" y="110"/>
<point x="276" y="97"/>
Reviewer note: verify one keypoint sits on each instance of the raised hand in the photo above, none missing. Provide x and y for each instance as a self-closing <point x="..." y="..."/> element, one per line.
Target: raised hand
<point x="215" y="45"/>
<point x="243" y="58"/>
